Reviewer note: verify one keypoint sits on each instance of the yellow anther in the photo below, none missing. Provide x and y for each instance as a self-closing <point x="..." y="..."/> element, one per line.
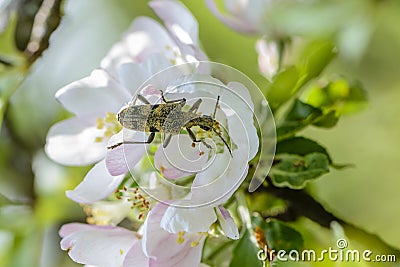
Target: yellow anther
<point x="99" y="123"/>
<point x="194" y="244"/>
<point x="108" y="133"/>
<point x="110" y="117"/>
<point x="180" y="238"/>
<point x="99" y="139"/>
<point x="173" y="61"/>
<point x="111" y="124"/>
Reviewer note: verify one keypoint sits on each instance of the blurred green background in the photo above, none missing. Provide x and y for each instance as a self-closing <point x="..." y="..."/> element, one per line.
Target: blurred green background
<point x="32" y="199"/>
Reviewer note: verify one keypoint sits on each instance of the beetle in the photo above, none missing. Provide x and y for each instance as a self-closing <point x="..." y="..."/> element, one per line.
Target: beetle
<point x="168" y="118"/>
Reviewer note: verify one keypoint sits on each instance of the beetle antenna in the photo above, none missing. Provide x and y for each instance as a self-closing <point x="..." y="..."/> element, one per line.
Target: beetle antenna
<point x="223" y="140"/>
<point x="215" y="109"/>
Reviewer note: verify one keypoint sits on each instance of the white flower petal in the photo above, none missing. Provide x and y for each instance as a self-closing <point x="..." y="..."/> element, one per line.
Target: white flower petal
<point x="178" y="20"/>
<point x="121" y="159"/>
<point x="97" y="184"/>
<point x="72" y="142"/>
<point x="133" y="75"/>
<point x="146" y="37"/>
<point x="71" y="228"/>
<point x="109" y="212"/>
<point x="217" y="184"/>
<point x="97" y="245"/>
<point x="235" y="23"/>
<point x="93" y="95"/>
<point x="179" y="159"/>
<point x="191" y="219"/>
<point x="243" y="107"/>
<point x="227" y="223"/>
<point x="167" y="170"/>
<point x="117" y="56"/>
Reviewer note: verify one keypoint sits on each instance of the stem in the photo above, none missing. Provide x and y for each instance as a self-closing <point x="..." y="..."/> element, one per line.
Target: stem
<point x="218" y="250"/>
<point x="300" y="204"/>
<point x="12" y="80"/>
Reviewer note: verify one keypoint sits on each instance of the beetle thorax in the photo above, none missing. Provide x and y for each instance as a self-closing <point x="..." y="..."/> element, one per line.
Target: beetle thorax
<point x="205" y="122"/>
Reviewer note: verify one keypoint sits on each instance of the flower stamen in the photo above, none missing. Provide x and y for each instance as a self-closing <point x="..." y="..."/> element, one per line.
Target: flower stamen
<point x="139" y="201"/>
<point x="180" y="239"/>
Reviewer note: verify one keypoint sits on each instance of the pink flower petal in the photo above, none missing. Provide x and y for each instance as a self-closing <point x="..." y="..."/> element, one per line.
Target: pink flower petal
<point x="97" y="245"/>
<point x="155" y="240"/>
<point x="154" y="237"/>
<point x="188" y="256"/>
<point x="227" y="223"/>
<point x="72" y="142"/>
<point x="268" y="58"/>
<point x="97" y="184"/>
<point x="121" y="159"/>
<point x="136" y="257"/>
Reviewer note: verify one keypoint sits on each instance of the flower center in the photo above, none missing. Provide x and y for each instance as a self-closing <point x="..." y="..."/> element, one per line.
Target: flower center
<point x="139" y="201"/>
<point x="106" y="212"/>
<point x="110" y="124"/>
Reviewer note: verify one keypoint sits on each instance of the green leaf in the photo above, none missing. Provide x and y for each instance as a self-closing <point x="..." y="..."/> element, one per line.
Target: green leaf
<point x="315" y="57"/>
<point x="298" y="117"/>
<point x="301" y="115"/>
<point x="328" y="120"/>
<point x="301" y="146"/>
<point x="295" y="171"/>
<point x="339" y="95"/>
<point x="302" y="111"/>
<point x="245" y="253"/>
<point x="280" y="236"/>
<point x="283" y="87"/>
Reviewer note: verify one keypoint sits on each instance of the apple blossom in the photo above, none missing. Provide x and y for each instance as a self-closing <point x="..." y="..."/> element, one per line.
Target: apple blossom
<point x="116" y="246"/>
<point x="145" y="49"/>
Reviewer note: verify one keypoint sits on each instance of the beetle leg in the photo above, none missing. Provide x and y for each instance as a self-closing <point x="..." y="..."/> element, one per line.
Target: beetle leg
<point x="149" y="140"/>
<point x="195" y="106"/>
<point x="182" y="100"/>
<point x="194" y="139"/>
<point x="143" y="99"/>
<point x="166" y="140"/>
